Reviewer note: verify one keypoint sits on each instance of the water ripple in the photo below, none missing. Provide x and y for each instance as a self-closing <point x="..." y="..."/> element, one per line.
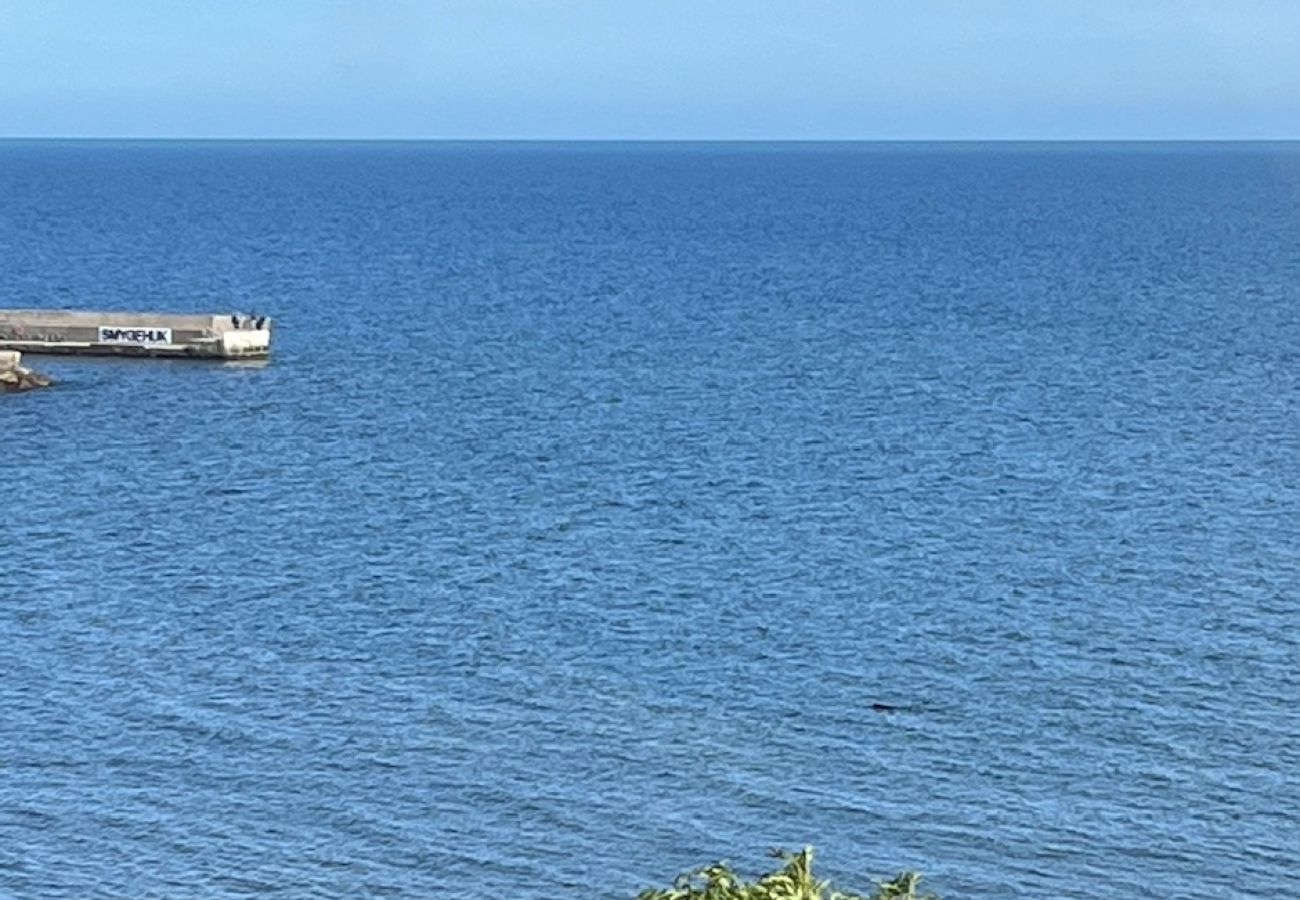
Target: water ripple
<point x="596" y="494"/>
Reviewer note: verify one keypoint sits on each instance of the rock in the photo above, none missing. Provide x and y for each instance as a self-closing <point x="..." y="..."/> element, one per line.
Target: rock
<point x="14" y="377"/>
<point x="23" y="380"/>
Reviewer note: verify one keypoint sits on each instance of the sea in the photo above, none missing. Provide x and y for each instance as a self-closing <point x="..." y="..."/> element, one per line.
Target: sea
<point x="609" y="509"/>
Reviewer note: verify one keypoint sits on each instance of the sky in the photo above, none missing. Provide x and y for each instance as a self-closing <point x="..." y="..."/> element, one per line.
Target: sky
<point x="651" y="69"/>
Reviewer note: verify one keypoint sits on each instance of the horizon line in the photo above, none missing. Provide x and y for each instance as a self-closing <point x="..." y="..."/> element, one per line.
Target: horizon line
<point x="650" y="140"/>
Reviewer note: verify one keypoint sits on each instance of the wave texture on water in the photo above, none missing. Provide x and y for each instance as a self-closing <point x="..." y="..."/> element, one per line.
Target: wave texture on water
<point x="596" y="492"/>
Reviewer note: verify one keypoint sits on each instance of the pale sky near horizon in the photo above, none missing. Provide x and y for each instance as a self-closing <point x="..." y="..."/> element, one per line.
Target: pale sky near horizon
<point x="651" y="69"/>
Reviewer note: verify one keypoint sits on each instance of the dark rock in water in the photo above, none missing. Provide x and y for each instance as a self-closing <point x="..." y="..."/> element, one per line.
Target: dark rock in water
<point x="21" y="379"/>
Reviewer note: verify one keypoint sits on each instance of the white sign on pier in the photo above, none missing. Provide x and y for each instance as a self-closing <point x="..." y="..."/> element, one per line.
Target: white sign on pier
<point x="139" y="336"/>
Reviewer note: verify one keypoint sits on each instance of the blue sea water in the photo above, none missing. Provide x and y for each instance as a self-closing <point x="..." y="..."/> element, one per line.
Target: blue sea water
<point x="595" y="493"/>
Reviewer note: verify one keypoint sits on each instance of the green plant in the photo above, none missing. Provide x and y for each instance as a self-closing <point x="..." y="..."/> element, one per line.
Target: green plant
<point x="793" y="881"/>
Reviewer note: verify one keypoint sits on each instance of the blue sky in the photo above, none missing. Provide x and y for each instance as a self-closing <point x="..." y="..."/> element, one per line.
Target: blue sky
<point x="800" y="69"/>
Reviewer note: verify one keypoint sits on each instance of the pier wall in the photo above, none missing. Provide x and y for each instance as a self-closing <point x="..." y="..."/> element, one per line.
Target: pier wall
<point x="132" y="333"/>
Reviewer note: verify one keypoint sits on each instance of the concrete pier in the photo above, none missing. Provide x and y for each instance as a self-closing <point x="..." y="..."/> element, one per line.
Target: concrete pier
<point x="230" y="336"/>
<point x="13" y="377"/>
